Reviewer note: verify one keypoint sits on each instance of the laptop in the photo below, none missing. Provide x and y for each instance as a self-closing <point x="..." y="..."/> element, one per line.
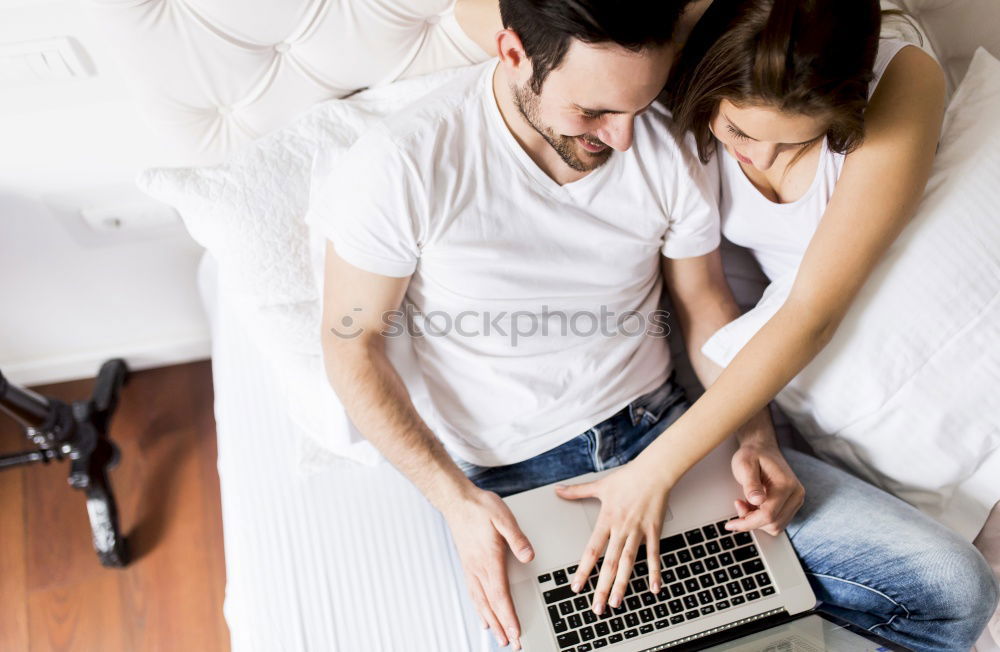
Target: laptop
<point x="809" y="632"/>
<point x="717" y="585"/>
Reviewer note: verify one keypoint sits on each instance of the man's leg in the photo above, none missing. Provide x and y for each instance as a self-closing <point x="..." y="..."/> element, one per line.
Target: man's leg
<point x="613" y="442"/>
<point x="609" y="444"/>
<point x="879" y="563"/>
<point x="566" y="461"/>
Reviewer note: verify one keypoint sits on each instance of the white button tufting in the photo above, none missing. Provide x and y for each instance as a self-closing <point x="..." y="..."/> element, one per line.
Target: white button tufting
<point x="239" y="57"/>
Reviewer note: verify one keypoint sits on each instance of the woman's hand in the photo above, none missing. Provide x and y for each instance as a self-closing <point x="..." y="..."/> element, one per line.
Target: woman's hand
<point x="633" y="502"/>
<point x="772" y="491"/>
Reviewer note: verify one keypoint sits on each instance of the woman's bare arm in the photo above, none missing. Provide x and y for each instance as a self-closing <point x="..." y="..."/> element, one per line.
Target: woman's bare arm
<point x="480" y="20"/>
<point x="878" y="192"/>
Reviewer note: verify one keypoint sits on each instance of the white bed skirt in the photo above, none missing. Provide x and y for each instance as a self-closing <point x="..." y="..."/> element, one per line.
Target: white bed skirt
<point x="348" y="558"/>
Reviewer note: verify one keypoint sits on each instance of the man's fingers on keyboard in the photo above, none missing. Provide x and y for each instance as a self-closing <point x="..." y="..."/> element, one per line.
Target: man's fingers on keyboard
<point x="485" y="612"/>
<point x="498" y="593"/>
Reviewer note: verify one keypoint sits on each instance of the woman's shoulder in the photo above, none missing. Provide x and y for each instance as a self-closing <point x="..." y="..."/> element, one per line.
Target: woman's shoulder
<point x="888" y="50"/>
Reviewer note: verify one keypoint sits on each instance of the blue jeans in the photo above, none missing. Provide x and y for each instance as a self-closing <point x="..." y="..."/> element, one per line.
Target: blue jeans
<point x="871" y="558"/>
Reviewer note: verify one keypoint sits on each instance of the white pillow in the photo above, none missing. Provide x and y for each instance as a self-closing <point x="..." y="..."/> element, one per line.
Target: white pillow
<point x="907" y="394"/>
<point x="249" y="213"/>
<point x="905" y="27"/>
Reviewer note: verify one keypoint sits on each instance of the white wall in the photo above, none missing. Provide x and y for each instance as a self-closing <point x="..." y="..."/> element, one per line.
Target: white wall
<point x="66" y="307"/>
<point x="69" y="296"/>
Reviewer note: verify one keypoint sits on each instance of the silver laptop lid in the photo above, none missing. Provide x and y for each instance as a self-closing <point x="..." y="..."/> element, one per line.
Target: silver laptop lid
<point x="559" y="530"/>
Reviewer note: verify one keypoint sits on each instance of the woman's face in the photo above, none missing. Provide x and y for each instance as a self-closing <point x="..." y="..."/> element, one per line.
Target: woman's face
<point x="761" y="136"/>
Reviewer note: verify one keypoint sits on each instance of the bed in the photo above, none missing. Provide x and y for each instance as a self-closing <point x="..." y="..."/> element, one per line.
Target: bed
<point x="300" y="546"/>
<point x="332" y="554"/>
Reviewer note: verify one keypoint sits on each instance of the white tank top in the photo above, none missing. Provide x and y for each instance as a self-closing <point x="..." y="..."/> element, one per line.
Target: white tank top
<point x="778" y="234"/>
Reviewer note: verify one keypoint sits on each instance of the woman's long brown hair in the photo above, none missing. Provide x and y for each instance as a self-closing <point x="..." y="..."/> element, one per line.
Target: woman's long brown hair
<point x="811" y="57"/>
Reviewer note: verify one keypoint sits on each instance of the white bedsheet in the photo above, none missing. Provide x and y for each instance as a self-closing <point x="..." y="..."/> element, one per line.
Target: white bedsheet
<point x="349" y="558"/>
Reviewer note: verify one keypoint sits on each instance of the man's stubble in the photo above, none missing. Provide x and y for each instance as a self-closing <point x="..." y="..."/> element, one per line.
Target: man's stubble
<point x="527" y="102"/>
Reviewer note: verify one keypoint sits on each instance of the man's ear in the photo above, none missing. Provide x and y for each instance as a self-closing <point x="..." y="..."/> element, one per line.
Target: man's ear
<point x="512" y="56"/>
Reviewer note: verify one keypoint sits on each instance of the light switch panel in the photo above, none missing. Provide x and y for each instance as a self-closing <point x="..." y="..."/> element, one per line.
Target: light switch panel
<point x="43" y="60"/>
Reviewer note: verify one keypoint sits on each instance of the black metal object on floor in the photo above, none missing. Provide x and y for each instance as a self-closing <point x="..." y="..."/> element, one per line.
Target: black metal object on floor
<point x="77" y="432"/>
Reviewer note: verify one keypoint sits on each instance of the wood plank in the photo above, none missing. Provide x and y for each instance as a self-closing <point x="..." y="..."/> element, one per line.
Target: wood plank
<point x="167" y="487"/>
<point x="60" y="552"/>
<point x="13" y="562"/>
<point x="179" y="567"/>
<point x="80" y="616"/>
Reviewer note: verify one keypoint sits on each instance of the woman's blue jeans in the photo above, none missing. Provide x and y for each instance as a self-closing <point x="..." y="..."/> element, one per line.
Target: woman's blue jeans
<point x="871" y="558"/>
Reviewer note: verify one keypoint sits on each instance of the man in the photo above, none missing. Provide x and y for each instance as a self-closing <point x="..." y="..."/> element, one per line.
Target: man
<point x="530" y="211"/>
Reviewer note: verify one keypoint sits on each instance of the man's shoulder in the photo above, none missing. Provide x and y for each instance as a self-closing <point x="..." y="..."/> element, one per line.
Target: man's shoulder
<point x="444" y="109"/>
<point x="659" y="145"/>
<point x="656" y="132"/>
<point x="404" y="149"/>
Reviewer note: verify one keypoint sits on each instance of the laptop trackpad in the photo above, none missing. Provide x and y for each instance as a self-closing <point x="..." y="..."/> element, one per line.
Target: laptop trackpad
<point x="592" y="508"/>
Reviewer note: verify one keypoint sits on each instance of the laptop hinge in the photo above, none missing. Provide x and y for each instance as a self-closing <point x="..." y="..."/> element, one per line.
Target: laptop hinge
<point x="747" y="625"/>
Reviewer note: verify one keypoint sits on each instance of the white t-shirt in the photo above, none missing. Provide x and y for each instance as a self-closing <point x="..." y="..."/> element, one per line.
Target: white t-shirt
<point x="443" y="192"/>
<point x="778" y="234"/>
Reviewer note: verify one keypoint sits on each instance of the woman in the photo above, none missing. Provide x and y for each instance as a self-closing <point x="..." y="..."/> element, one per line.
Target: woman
<point x="823" y="134"/>
<point x="821" y="124"/>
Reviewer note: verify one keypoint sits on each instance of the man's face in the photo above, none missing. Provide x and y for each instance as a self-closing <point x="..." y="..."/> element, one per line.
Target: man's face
<point x="588" y="104"/>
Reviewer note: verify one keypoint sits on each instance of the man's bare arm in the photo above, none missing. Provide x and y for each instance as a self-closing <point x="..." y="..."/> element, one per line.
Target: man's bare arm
<point x="354" y="306"/>
<point x="703" y="304"/>
<point x="480" y="20"/>
<point x="482" y="526"/>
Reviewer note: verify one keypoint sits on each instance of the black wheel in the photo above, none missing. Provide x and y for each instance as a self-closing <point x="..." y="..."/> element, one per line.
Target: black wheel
<point x="110" y="378"/>
<point x="117" y="557"/>
<point x="114" y="457"/>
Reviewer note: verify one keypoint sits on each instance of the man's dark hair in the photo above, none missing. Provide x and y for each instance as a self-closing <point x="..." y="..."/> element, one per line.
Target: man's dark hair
<point x="547" y="26"/>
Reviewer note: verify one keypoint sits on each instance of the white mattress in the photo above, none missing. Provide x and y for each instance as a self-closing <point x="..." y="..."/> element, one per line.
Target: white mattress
<point x="347" y="559"/>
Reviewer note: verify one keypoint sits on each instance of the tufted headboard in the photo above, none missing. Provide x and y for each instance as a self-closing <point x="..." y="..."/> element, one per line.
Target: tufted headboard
<point x="956" y="29"/>
<point x="213" y="74"/>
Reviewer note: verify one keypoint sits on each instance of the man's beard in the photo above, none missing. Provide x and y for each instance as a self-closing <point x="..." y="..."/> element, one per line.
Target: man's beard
<point x="566" y="146"/>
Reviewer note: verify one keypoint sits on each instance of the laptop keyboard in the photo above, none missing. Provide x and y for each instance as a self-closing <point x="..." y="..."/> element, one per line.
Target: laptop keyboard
<point x="705" y="570"/>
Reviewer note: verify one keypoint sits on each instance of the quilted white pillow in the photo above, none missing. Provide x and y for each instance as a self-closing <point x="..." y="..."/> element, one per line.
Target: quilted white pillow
<point x="907" y="394"/>
<point x="249" y="214"/>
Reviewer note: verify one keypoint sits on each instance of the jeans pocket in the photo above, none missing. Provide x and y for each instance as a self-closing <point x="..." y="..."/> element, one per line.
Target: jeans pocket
<point x="650" y="406"/>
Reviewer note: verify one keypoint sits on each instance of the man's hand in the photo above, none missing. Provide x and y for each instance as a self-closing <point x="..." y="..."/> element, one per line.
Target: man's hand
<point x="483" y="527"/>
<point x="772" y="492"/>
<point x="633" y="502"/>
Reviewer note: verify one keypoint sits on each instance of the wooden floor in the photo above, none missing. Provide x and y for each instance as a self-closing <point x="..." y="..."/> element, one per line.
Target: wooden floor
<point x="54" y="595"/>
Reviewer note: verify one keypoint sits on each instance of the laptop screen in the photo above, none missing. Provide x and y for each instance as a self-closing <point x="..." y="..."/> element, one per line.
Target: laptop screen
<point x="809" y="634"/>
